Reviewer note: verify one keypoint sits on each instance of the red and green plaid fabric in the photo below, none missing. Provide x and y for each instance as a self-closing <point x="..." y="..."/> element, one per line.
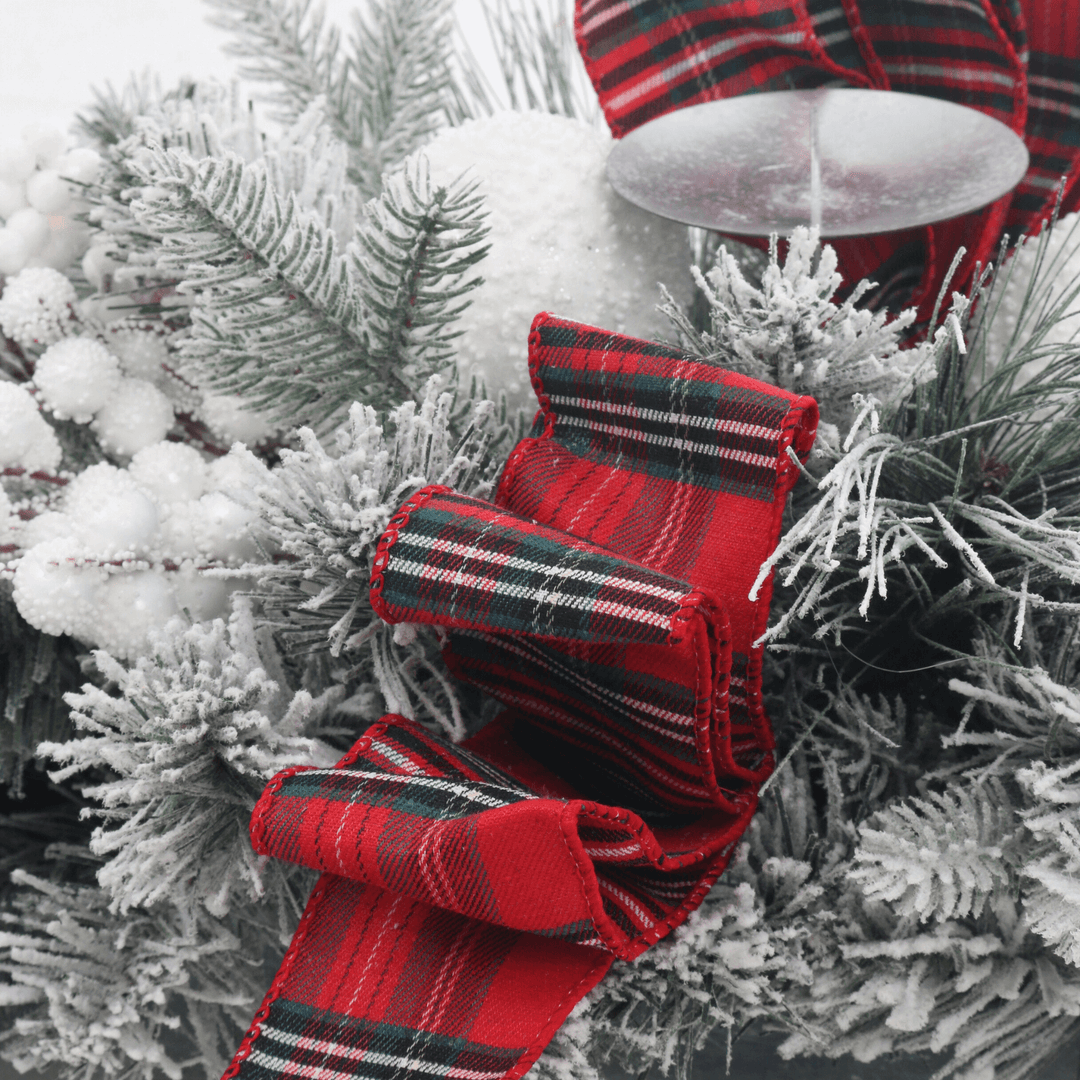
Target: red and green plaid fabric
<point x="1016" y="60"/>
<point x="459" y="561"/>
<point x="471" y="895"/>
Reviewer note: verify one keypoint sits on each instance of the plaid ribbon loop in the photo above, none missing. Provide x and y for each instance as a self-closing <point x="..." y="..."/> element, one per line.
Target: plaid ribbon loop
<point x="406" y="813"/>
<point x="471" y="895"/>
<point x="452" y="560"/>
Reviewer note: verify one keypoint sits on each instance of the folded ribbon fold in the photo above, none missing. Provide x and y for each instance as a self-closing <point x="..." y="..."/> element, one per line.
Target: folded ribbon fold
<point x="471" y="895"/>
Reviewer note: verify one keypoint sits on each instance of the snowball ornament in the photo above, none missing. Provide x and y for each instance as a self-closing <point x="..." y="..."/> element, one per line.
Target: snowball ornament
<point x="141" y="352"/>
<point x="9" y="522"/>
<point x="15" y="251"/>
<point x="176" y="535"/>
<point x="17" y="163"/>
<point x="112" y="516"/>
<point x="48" y="525"/>
<point x="77" y="377"/>
<point x="561" y="240"/>
<point x="48" y="192"/>
<point x="57" y="593"/>
<point x="12" y="198"/>
<point x="136" y="415"/>
<point x="131" y="604"/>
<point x="169" y="472"/>
<point x="83" y="165"/>
<point x="237" y="472"/>
<point x="222" y="528"/>
<point x="228" y="417"/>
<point x="36" y="306"/>
<point x="27" y="439"/>
<point x="31" y="225"/>
<point x="45" y="143"/>
<point x="200" y="596"/>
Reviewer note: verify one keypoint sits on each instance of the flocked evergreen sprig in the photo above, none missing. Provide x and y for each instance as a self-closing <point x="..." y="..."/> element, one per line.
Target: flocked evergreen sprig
<point x="183" y="748"/>
<point x="323" y="510"/>
<point x="787" y="330"/>
<point x="133" y="996"/>
<point x="270" y="285"/>
<point x="382" y="97"/>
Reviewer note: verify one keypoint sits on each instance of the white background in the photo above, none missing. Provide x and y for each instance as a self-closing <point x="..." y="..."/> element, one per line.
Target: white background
<point x="53" y="51"/>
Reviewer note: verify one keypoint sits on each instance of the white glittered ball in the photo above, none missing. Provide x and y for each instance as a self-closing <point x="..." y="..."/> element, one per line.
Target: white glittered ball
<point x="236" y="472"/>
<point x="136" y="415"/>
<point x="81" y="164"/>
<point x="169" y="472"/>
<point x="176" y="535"/>
<point x="55" y="593"/>
<point x="35" y="307"/>
<point x="227" y="416"/>
<point x="112" y="517"/>
<point x="141" y="352"/>
<point x="9" y="522"/>
<point x="27" y="440"/>
<point x="31" y="225"/>
<point x="1061" y="266"/>
<point x="12" y="198"/>
<point x="200" y="596"/>
<point x="48" y="525"/>
<point x="222" y="528"/>
<point x="131" y="604"/>
<point x="561" y="241"/>
<point x="48" y="192"/>
<point x="77" y="377"/>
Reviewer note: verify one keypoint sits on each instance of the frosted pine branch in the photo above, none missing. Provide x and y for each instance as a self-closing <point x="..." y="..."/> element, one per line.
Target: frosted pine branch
<point x="382" y="98"/>
<point x="95" y="992"/>
<point x="938" y="857"/>
<point x="281" y="318"/>
<point x="789" y="332"/>
<point x="196" y="731"/>
<point x="326" y="510"/>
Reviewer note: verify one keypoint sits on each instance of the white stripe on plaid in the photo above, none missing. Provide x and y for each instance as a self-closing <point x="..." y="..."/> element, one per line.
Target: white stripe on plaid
<point x="1048" y="83"/>
<point x="605" y="15"/>
<point x="1050" y="105"/>
<point x="623" y="852"/>
<point x="711" y="449"/>
<point x="395" y="758"/>
<point x="452" y="787"/>
<point x="416" y="565"/>
<point x="712" y="423"/>
<point x="274" y="1061"/>
<point x="702" y="56"/>
<point x="626" y="902"/>
<point x="951" y="74"/>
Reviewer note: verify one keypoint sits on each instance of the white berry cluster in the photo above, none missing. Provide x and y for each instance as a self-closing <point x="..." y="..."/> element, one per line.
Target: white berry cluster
<point x="80" y="379"/>
<point x="39" y="186"/>
<point x="123" y="550"/>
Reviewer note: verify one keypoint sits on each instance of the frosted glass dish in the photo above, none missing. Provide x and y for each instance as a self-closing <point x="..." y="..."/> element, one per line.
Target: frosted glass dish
<point x="883" y="161"/>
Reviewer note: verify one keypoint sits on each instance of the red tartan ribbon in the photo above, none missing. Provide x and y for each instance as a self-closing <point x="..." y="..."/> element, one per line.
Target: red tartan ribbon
<point x="1016" y="60"/>
<point x="472" y="895"/>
